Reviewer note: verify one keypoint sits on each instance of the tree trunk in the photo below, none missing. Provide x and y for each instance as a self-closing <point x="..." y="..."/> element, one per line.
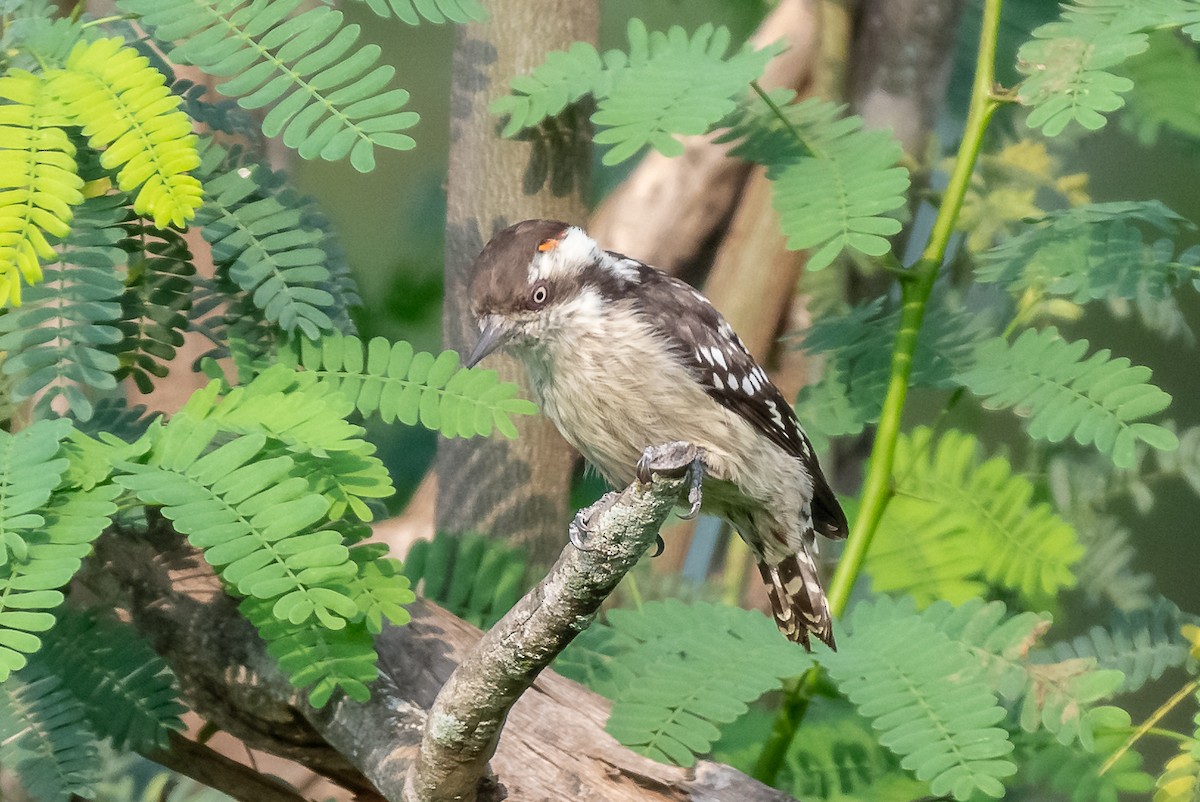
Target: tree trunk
<point x="903" y="53"/>
<point x="511" y="489"/>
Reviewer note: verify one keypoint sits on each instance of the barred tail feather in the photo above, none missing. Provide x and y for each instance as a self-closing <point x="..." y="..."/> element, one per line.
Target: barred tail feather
<point x="797" y="599"/>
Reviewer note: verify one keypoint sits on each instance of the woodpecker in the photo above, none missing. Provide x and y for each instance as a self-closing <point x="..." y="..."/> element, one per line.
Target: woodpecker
<point x="623" y="357"/>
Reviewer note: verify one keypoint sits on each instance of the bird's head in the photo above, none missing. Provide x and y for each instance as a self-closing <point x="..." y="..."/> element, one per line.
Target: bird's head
<point x="530" y="281"/>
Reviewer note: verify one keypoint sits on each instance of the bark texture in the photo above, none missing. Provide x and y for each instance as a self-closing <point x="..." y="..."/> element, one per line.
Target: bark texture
<point x="903" y="52"/>
<point x="516" y="490"/>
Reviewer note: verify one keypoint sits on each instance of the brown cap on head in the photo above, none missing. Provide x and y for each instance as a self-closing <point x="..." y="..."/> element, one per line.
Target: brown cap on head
<point x="500" y="274"/>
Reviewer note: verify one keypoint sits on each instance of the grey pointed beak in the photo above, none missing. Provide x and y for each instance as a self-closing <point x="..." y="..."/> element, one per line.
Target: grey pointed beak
<point x="494" y="335"/>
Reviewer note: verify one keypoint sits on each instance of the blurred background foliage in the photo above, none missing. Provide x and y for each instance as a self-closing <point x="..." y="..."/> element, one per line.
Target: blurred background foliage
<point x="391" y="221"/>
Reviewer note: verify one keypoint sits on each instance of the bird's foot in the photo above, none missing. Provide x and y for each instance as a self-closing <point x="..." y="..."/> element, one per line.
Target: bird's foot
<point x="676" y="460"/>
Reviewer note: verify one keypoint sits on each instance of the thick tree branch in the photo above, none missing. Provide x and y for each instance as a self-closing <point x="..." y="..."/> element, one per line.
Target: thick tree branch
<point x="213" y="769"/>
<point x="554" y="745"/>
<point x="465" y="720"/>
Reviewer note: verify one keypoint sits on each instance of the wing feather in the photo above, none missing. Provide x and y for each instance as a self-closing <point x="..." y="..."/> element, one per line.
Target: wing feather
<point x="708" y="346"/>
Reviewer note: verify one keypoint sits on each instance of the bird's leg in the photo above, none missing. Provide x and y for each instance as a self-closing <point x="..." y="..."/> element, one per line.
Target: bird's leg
<point x="675" y="460"/>
<point x="581" y="526"/>
<point x="695" y="493"/>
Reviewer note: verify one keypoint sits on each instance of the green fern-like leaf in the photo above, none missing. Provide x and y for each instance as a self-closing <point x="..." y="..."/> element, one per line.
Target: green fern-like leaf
<point x="127" y="111"/>
<point x="29" y="588"/>
<point x="1070" y="64"/>
<point x="967" y="521"/>
<point x="341" y="284"/>
<point x="1056" y="697"/>
<point x="436" y="11"/>
<point x="856" y="346"/>
<point x="397" y="384"/>
<point x="1068" y="78"/>
<point x="284" y="405"/>
<point x="44" y="736"/>
<point x="56" y="342"/>
<point x="836" y="186"/>
<point x="1095" y="252"/>
<point x="43" y="39"/>
<point x="30" y="469"/>
<point x="330" y="100"/>
<point x="315" y="657"/>
<point x="837" y="756"/>
<point x="305" y="418"/>
<point x="1075" y="773"/>
<point x="154" y="306"/>
<point x="1142" y="645"/>
<point x="475" y="577"/>
<point x="257" y="524"/>
<point x="1109" y="572"/>
<point x="566" y="77"/>
<point x="999" y="642"/>
<point x="928" y="558"/>
<point x="673" y="85"/>
<point x="1083" y="486"/>
<point x="380" y="589"/>
<point x="260" y="241"/>
<point x="928" y="698"/>
<point x="1165" y="78"/>
<point x="39" y="182"/>
<point x="1099" y="401"/>
<point x="127" y="690"/>
<point x="669" y="85"/>
<point x="92" y="458"/>
<point x="673" y="681"/>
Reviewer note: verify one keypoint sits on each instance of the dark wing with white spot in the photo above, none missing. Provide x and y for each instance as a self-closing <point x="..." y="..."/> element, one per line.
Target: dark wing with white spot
<point x="708" y="345"/>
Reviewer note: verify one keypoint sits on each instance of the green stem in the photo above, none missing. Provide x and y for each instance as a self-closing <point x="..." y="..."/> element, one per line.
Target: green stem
<point x="1150" y="724"/>
<point x="877" y="488"/>
<point x="774" y="107"/>
<point x="105" y="20"/>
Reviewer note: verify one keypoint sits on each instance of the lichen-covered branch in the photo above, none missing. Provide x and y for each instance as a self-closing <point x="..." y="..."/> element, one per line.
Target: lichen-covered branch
<point x="469" y="712"/>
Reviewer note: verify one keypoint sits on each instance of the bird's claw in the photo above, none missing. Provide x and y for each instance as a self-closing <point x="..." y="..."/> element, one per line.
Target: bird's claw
<point x="695" y="494"/>
<point x="659" y="546"/>
<point x="580" y="527"/>
<point x="676" y="460"/>
<point x="578" y="531"/>
<point x="672" y="460"/>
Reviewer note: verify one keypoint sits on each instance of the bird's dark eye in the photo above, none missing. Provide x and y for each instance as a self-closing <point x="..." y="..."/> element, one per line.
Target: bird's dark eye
<point x="539" y="295"/>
